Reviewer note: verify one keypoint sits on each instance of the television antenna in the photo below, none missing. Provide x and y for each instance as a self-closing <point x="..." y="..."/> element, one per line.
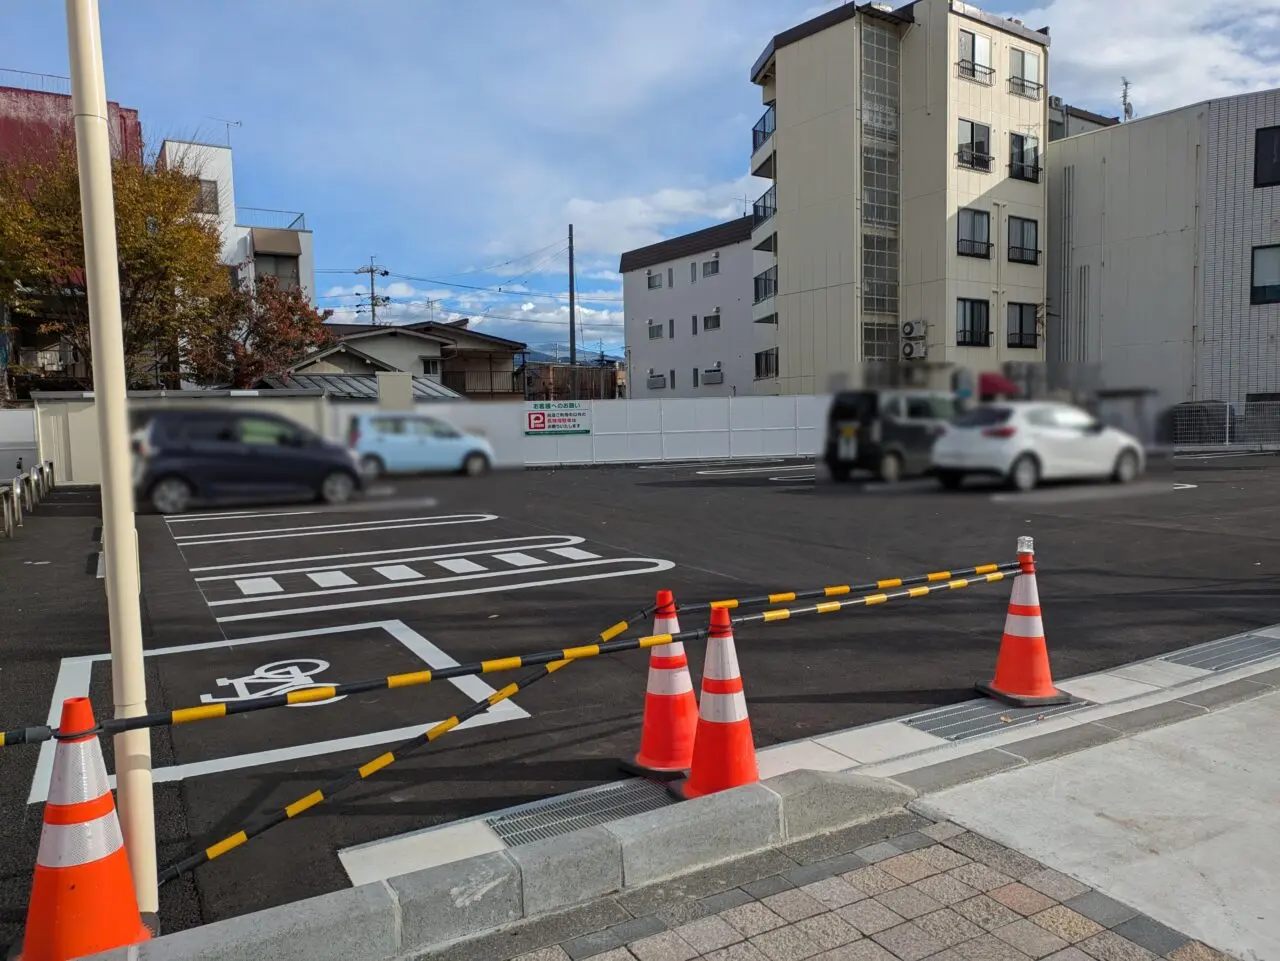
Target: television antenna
<point x="229" y="124"/>
<point x="1125" y="102"/>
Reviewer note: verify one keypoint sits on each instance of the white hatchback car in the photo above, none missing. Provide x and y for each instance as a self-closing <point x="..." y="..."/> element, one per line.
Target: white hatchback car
<point x="1026" y="442"/>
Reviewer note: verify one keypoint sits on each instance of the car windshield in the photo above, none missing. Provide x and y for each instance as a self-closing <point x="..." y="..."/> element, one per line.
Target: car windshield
<point x="984" y="416"/>
<point x="855" y="405"/>
<point x="931" y="407"/>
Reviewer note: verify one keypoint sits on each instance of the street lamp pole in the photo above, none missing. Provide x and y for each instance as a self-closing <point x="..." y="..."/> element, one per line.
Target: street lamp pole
<point x="110" y="386"/>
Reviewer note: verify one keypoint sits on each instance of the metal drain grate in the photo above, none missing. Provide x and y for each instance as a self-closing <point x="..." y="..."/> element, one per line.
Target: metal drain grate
<point x="1229" y="652"/>
<point x="561" y="815"/>
<point x="959" y="722"/>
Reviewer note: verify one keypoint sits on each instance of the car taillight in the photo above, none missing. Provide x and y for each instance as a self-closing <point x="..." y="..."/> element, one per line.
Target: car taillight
<point x="999" y="432"/>
<point x="355" y="438"/>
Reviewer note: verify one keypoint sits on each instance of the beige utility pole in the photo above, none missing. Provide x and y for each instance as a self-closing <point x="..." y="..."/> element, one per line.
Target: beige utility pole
<point x="110" y="385"/>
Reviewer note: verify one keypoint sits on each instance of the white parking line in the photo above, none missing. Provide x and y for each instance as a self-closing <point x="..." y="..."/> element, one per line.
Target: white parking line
<point x="332" y="530"/>
<point x="794" y="477"/>
<point x="754" y="470"/>
<point x="398" y="572"/>
<point x="459" y="566"/>
<point x="518" y="560"/>
<point x="573" y="553"/>
<point x="679" y="464"/>
<point x="229" y="516"/>
<point x="254" y="586"/>
<point x="331" y="579"/>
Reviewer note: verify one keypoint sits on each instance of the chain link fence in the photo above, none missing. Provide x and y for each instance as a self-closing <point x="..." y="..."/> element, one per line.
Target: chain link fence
<point x="1211" y="424"/>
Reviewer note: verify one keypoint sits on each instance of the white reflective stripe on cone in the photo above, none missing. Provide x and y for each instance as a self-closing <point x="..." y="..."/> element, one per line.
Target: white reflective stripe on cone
<point x="724" y="708"/>
<point x="722" y="660"/>
<point x="78" y="773"/>
<point x="668" y="650"/>
<point x="70" y="845"/>
<point x="1024" y="591"/>
<point x="1020" y="625"/>
<point x="666" y="625"/>
<point x="670" y="682"/>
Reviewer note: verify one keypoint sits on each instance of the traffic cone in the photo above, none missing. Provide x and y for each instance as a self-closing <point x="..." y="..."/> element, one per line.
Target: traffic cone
<point x="82" y="899"/>
<point x="670" y="706"/>
<point x="724" y="753"/>
<point x="1023" y="678"/>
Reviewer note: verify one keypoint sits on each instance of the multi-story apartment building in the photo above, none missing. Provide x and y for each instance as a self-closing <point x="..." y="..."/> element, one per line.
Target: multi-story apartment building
<point x="1164" y="253"/>
<point x="908" y="199"/>
<point x="255" y="240"/>
<point x="688" y="316"/>
<point x="1066" y="120"/>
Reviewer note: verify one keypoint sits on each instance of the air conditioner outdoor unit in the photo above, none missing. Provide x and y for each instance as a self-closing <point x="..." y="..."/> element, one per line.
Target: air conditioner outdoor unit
<point x="713" y="376"/>
<point x="915" y="350"/>
<point x="716" y="255"/>
<point x="912" y="329"/>
<point x="648" y="272"/>
<point x="1055" y="103"/>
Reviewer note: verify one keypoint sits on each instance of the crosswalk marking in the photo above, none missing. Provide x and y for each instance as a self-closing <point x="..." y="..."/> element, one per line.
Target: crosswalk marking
<point x="517" y="559"/>
<point x="259" y="585"/>
<point x="398" y="572"/>
<point x="331" y="579"/>
<point x="573" y="553"/>
<point x="460" y="565"/>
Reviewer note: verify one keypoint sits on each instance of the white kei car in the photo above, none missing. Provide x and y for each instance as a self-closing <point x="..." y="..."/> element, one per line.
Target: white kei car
<point x="1026" y="442"/>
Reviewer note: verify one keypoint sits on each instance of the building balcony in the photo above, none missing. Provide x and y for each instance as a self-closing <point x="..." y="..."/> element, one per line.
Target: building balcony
<point x="766" y="285"/>
<point x="1024" y="255"/>
<point x="765" y="207"/>
<point x="971" y="159"/>
<point x="270" y="219"/>
<point x="975" y="72"/>
<point x="762" y="145"/>
<point x="1025" y="88"/>
<point x="482" y="383"/>
<point x="1023" y="340"/>
<point x="974" y="248"/>
<point x="973" y="337"/>
<point x="763" y="129"/>
<point x="1029" y="172"/>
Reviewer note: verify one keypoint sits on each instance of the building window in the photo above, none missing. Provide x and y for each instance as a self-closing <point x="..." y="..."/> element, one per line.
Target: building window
<point x="974" y="140"/>
<point x="767" y="364"/>
<point x="710" y="268"/>
<point x="672" y="382"/>
<point x="671" y="328"/>
<point x="1264" y="286"/>
<point x="431" y="366"/>
<point x="1024" y="157"/>
<point x="280" y="266"/>
<point x="671" y="276"/>
<point x="695" y="325"/>
<point x="655" y="281"/>
<point x="1024" y="241"/>
<point x="711" y="322"/>
<point x="1024" y="74"/>
<point x="655" y="331"/>
<point x="973" y="233"/>
<point x="1266" y="157"/>
<point x="207" y="202"/>
<point x="879" y="274"/>
<point x="879" y="341"/>
<point x="975" y="58"/>
<point x="973" y="323"/>
<point x="1022" y="325"/>
<point x="766" y="285"/>
<point x="693" y="272"/>
<point x="695" y="377"/>
<point x="879" y="185"/>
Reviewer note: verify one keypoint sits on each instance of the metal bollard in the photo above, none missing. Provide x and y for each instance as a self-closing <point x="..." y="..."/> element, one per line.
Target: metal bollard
<point x="53" y="480"/>
<point x="16" y="491"/>
<point x="6" y="509"/>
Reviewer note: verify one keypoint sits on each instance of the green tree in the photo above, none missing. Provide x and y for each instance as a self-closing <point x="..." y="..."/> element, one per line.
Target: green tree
<point x="171" y="276"/>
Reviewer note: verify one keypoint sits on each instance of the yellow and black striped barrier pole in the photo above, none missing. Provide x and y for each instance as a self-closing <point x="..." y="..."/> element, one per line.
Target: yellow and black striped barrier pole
<point x="354" y="776"/>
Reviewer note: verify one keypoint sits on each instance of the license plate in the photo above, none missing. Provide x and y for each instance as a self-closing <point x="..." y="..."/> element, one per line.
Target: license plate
<point x="847" y="445"/>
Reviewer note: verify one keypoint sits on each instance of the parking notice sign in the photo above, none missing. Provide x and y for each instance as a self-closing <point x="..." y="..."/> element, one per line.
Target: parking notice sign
<point x="557" y="417"/>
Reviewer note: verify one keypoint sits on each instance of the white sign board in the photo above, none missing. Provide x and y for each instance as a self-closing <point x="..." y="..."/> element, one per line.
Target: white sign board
<point x="551" y="417"/>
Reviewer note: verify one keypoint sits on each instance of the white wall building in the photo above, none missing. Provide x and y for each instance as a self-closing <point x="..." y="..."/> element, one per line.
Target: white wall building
<point x="1067" y="121"/>
<point x="689" y="330"/>
<point x="905" y="150"/>
<point x="1164" y="253"/>
<point x="255" y="239"/>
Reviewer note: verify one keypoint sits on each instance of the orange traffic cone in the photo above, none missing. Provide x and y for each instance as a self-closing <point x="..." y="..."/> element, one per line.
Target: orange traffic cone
<point x="724" y="753"/>
<point x="1023" y="678"/>
<point x="670" y="706"/>
<point x="82" y="899"/>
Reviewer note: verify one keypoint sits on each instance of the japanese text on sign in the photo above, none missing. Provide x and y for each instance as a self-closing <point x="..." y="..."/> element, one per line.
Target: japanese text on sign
<point x="557" y="417"/>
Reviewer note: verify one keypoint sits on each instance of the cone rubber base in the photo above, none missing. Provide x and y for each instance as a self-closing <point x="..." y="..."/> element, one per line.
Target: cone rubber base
<point x="1020" y="700"/>
<point x="150" y="931"/>
<point x="652" y="774"/>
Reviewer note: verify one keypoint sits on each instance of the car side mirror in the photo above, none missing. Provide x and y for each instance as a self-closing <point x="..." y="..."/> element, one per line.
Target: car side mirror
<point x="1097" y="427"/>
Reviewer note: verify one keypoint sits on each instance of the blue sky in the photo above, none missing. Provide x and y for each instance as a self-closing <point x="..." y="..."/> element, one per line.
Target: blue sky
<point x="446" y="137"/>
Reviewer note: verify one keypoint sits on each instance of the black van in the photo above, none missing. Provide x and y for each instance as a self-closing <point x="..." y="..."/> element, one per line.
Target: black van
<point x="887" y="432"/>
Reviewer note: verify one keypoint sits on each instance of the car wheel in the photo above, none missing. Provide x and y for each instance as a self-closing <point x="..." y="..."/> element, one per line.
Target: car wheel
<point x="337" y="487"/>
<point x="475" y="465"/>
<point x="890" y="468"/>
<point x="171" y="495"/>
<point x="950" y="479"/>
<point x="1024" y="475"/>
<point x="371" y="466"/>
<point x="1126" y="468"/>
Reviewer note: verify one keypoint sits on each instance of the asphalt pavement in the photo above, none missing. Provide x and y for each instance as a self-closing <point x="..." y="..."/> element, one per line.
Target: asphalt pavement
<point x="245" y="602"/>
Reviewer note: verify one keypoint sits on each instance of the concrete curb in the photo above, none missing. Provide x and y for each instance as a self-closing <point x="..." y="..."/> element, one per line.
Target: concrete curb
<point x="429" y="909"/>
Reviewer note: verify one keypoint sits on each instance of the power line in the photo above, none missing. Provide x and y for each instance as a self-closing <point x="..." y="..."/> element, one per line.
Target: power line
<point x="618" y="325"/>
<point x="497" y="289"/>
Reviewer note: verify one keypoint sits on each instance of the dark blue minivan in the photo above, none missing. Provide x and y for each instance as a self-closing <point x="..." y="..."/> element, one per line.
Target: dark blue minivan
<point x="185" y="457"/>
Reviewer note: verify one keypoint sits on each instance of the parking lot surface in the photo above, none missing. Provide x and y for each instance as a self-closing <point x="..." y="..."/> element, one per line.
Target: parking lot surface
<point x="242" y="603"/>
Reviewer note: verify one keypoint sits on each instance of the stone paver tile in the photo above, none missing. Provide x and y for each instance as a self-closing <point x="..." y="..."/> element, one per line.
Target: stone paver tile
<point x="743" y="951"/>
<point x="870" y="916"/>
<point x="617" y="954"/>
<point x="942" y="830"/>
<point x="709" y="934"/>
<point x="909" y="941"/>
<point x="793" y="905"/>
<point x="1198" y="951"/>
<point x="1096" y="906"/>
<point x="1031" y="939"/>
<point x="766" y="886"/>
<point x="637" y="928"/>
<point x="1066" y="924"/>
<point x="908" y="868"/>
<point x="752" y="919"/>
<point x="725" y="900"/>
<point x="667" y="946"/>
<point x="911" y="841"/>
<point x="591" y="945"/>
<point x="1109" y="946"/>
<point x="881" y="851"/>
<point x="985" y="913"/>
<point x="1069" y="954"/>
<point x="941" y="856"/>
<point x="994" y="855"/>
<point x="872" y="880"/>
<point x="864" y="950"/>
<point x="1151" y="934"/>
<point x="834" y="892"/>
<point x="988" y="948"/>
<point x="1055" y="884"/>
<point x="553" y="953"/>
<point x="949" y="927"/>
<point x="909" y="902"/>
<point x="1022" y="899"/>
<point x="945" y="889"/>
<point x="785" y="944"/>
<point x="979" y="876"/>
<point x="828" y="931"/>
